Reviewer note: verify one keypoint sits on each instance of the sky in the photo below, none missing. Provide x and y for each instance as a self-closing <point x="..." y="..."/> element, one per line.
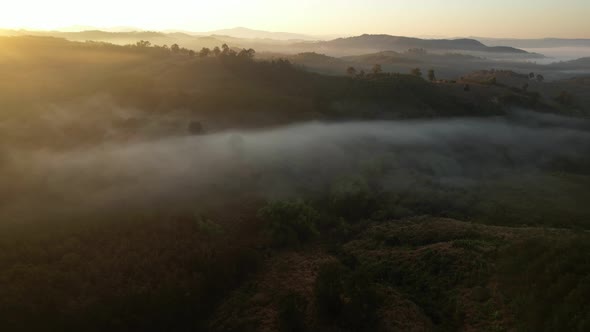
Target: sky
<point x="444" y="18"/>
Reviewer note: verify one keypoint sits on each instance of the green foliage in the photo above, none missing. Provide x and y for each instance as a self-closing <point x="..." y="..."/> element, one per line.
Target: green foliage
<point x="548" y="283"/>
<point x="565" y="98"/>
<point x="290" y="223"/>
<point x="329" y="286"/>
<point x="416" y="72"/>
<point x="292" y="310"/>
<point x="346" y="297"/>
<point x="431" y="75"/>
<point x="351" y="198"/>
<point x="361" y="302"/>
<point x="377" y="69"/>
<point x="141" y="274"/>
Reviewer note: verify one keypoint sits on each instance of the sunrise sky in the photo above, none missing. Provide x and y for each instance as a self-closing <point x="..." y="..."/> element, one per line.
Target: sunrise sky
<point x="497" y="18"/>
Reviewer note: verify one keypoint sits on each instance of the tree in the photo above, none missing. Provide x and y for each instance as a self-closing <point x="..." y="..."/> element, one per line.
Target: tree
<point x="328" y="288"/>
<point x="351" y="71"/>
<point x="362" y="74"/>
<point x="377" y="69"/>
<point x="565" y="98"/>
<point x="225" y="49"/>
<point x="175" y="48"/>
<point x="417" y="51"/>
<point x="247" y="53"/>
<point x="292" y="312"/>
<point x="431" y="76"/>
<point x="205" y="52"/>
<point x="290" y="223"/>
<point x="195" y="128"/>
<point x="191" y="53"/>
<point x="416" y="72"/>
<point x="143" y="43"/>
<point x="540" y="78"/>
<point x="531" y="75"/>
<point x="216" y="51"/>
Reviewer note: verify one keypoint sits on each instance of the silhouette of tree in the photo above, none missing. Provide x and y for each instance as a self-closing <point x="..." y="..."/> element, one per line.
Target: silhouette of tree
<point x="247" y="53"/>
<point x="362" y="74"/>
<point x="351" y="71"/>
<point x="175" y="48"/>
<point x="377" y="69"/>
<point x="216" y="51"/>
<point x="431" y="76"/>
<point x="143" y="43"/>
<point x="531" y="75"/>
<point x="205" y="52"/>
<point x="417" y="51"/>
<point x="540" y="78"/>
<point x="416" y="72"/>
<point x="565" y="98"/>
<point x="195" y="128"/>
<point x="225" y="49"/>
<point x="191" y="53"/>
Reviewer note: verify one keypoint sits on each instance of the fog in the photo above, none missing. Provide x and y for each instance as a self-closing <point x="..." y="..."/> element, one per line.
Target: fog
<point x="191" y="172"/>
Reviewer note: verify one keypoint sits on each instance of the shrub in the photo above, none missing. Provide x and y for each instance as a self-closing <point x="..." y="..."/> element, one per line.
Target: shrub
<point x="349" y="297"/>
<point x="290" y="223"/>
<point x="328" y="289"/>
<point x="362" y="301"/>
<point x="292" y="313"/>
<point x="351" y="199"/>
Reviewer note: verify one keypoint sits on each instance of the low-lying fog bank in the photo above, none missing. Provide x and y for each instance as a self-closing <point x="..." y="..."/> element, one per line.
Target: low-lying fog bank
<point x="187" y="172"/>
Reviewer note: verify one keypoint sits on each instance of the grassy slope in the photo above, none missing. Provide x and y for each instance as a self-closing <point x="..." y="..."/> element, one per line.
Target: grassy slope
<point x="431" y="274"/>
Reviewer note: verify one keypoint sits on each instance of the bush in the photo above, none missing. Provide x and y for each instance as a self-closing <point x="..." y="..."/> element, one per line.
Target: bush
<point x="362" y="301"/>
<point x="351" y="199"/>
<point x="349" y="297"/>
<point x="290" y="223"/>
<point x="328" y="289"/>
<point x="292" y="313"/>
<point x="547" y="282"/>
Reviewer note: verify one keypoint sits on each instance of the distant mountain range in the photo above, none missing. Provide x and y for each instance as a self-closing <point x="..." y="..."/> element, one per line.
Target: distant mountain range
<point x="246" y="33"/>
<point x="536" y="43"/>
<point x="289" y="43"/>
<point x="377" y="43"/>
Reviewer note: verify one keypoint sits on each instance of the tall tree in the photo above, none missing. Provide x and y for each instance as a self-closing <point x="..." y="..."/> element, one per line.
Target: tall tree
<point x="351" y="71"/>
<point x="377" y="69"/>
<point x="205" y="52"/>
<point x="225" y="49"/>
<point x="431" y="75"/>
<point x="416" y="72"/>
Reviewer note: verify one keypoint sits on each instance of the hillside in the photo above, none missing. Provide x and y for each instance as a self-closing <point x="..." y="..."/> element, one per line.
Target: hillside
<point x="245" y="33"/>
<point x="378" y="43"/>
<point x="158" y="188"/>
<point x="219" y="92"/>
<point x="578" y="64"/>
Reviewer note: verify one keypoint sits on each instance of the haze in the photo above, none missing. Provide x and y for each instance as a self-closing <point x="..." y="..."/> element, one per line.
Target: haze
<point x="500" y="18"/>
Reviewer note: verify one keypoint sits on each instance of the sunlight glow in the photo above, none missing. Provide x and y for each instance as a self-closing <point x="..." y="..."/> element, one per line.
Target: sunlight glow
<point x="500" y="18"/>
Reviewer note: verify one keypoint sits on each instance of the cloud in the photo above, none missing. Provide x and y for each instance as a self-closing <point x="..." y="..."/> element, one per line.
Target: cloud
<point x="187" y="172"/>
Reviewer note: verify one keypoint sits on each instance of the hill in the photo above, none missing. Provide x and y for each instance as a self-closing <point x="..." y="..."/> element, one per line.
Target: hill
<point x="535" y="43"/>
<point x="245" y="33"/>
<point x="378" y="43"/>
<point x="151" y="188"/>
<point x="582" y="64"/>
